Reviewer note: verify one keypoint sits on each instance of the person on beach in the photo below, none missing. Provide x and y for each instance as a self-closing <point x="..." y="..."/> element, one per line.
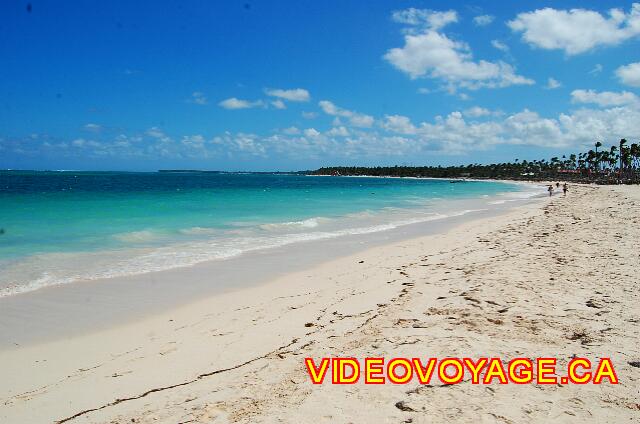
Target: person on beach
<point x="565" y="188"/>
<point x="550" y="190"/>
<point x="558" y="185"/>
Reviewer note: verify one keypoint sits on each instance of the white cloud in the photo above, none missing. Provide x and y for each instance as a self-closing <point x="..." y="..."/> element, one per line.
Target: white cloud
<point x="432" y="54"/>
<point x="552" y="84"/>
<point x="93" y="127"/>
<point x="629" y="74"/>
<point x="577" y="30"/>
<point x="155" y="132"/>
<point x="250" y="143"/>
<point x="528" y="127"/>
<point x="82" y="143"/>
<point x="338" y="132"/>
<point x="198" y="98"/>
<point x="596" y="69"/>
<point x="311" y="132"/>
<point x="398" y="124"/>
<point x="477" y="112"/>
<point x="356" y="119"/>
<point x="586" y="125"/>
<point x="483" y="20"/>
<point x="360" y="120"/>
<point x="291" y="131"/>
<point x="395" y="139"/>
<point x="425" y="18"/>
<point x="238" y="145"/>
<point x="293" y="95"/>
<point x="500" y="45"/>
<point x="453" y="134"/>
<point x="235" y="103"/>
<point x="193" y="141"/>
<point x="309" y="115"/>
<point x="278" y="104"/>
<point x="604" y="98"/>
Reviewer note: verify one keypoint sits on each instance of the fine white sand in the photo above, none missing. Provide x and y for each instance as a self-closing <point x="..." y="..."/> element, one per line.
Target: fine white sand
<point x="556" y="278"/>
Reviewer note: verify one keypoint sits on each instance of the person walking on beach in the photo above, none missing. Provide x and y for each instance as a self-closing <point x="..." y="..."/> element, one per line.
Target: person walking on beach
<point x="565" y="188"/>
<point x="550" y="190"/>
<point x="557" y="185"/>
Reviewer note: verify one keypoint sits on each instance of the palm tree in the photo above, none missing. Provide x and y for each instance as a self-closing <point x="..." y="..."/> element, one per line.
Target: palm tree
<point x="613" y="157"/>
<point x="622" y="154"/>
<point x="634" y="151"/>
<point x="598" y="144"/>
<point x="582" y="161"/>
<point x="590" y="159"/>
<point x="604" y="158"/>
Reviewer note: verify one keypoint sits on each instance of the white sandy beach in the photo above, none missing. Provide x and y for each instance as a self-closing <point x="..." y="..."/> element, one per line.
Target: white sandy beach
<point x="557" y="278"/>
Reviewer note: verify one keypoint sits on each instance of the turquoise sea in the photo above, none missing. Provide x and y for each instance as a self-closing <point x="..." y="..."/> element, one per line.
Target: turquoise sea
<point x="59" y="227"/>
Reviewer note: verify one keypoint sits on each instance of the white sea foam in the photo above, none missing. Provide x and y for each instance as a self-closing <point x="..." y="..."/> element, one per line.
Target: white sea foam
<point x="516" y="196"/>
<point x="143" y="236"/>
<point x="363" y="214"/>
<point x="194" y="231"/>
<point x="307" y="223"/>
<point x="63" y="268"/>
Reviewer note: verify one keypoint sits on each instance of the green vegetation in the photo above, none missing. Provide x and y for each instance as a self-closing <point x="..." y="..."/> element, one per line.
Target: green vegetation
<point x="620" y="164"/>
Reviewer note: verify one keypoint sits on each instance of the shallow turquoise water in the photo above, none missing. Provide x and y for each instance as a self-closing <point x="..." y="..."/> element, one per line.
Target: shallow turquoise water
<point x="160" y="218"/>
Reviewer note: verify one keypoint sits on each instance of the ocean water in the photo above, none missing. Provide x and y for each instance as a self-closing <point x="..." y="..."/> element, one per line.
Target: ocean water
<point x="61" y="227"/>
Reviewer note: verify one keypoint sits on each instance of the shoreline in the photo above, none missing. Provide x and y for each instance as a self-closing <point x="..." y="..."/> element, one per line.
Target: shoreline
<point x="147" y="250"/>
<point x="81" y="307"/>
<point x="237" y="356"/>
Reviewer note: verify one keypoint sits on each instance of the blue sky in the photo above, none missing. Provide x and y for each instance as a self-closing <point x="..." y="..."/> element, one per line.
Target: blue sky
<point x="256" y="85"/>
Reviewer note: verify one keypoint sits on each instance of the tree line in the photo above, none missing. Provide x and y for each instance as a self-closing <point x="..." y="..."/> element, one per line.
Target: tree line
<point x="618" y="164"/>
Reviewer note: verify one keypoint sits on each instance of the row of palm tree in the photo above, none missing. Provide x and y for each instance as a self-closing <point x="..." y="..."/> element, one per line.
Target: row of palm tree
<point x="620" y="163"/>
